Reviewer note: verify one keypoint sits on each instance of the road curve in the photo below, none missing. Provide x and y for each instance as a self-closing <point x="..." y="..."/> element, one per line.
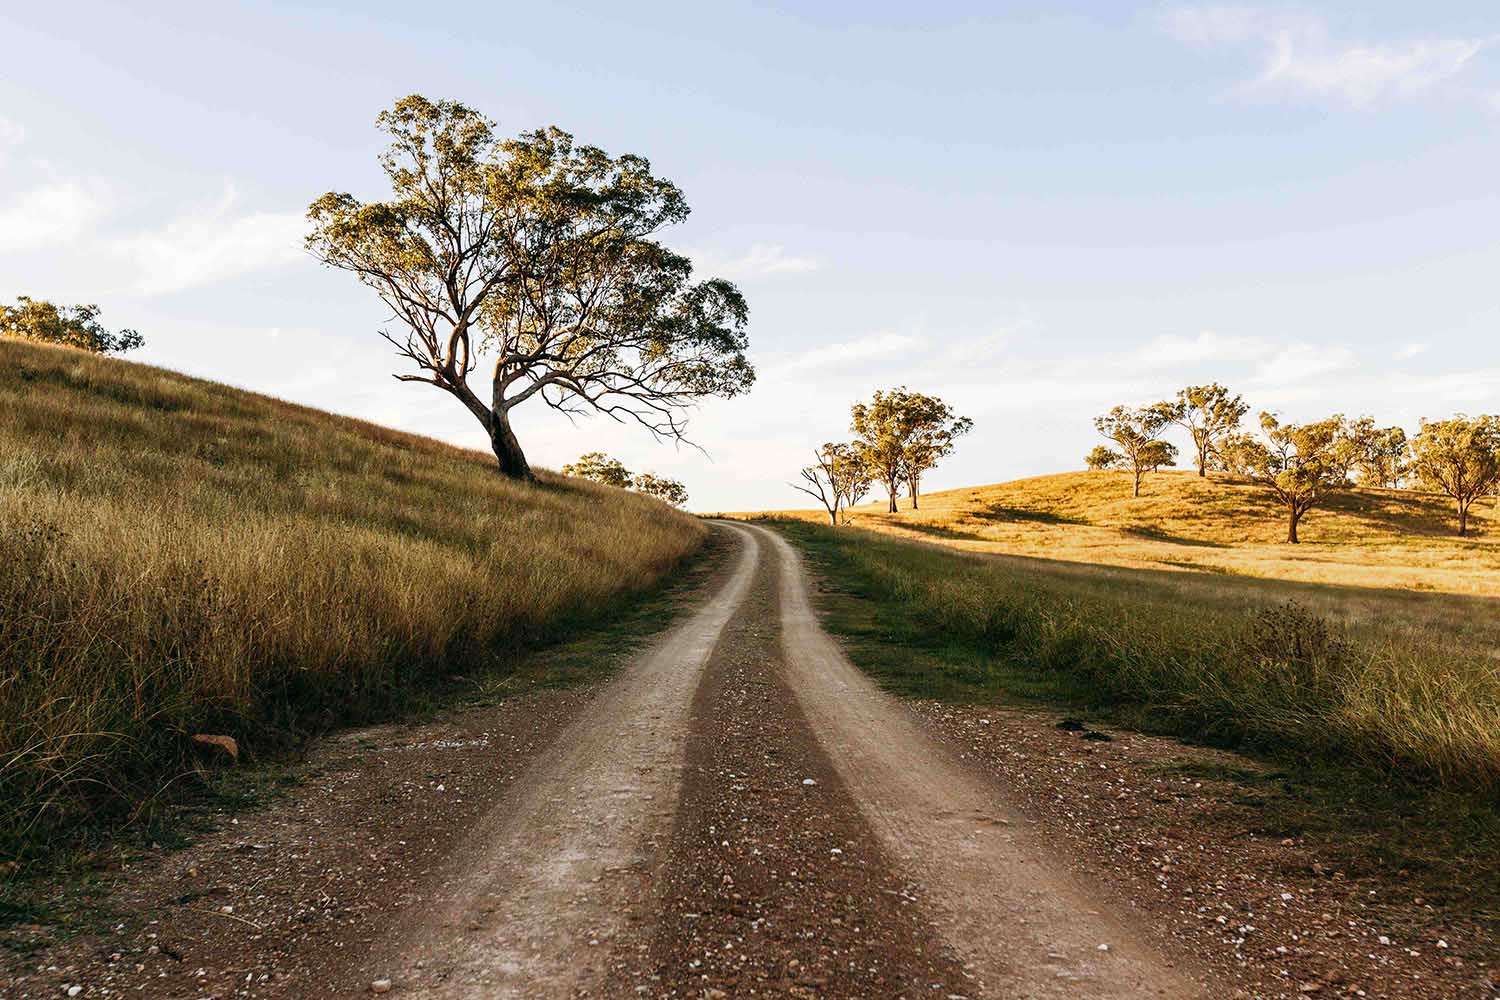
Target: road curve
<point x="1024" y="926"/>
<point x="531" y="904"/>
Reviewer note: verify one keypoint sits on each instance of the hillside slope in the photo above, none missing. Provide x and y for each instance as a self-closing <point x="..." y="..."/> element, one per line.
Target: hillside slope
<point x="1396" y="539"/>
<point x="179" y="557"/>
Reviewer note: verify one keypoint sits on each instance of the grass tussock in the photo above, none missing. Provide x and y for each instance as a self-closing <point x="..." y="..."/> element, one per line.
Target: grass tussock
<point x="1296" y="673"/>
<point x="179" y="557"/>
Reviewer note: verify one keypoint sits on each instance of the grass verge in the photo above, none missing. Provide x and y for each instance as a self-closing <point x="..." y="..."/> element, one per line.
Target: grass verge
<point x="1347" y="727"/>
<point x="65" y="892"/>
<point x="178" y="557"/>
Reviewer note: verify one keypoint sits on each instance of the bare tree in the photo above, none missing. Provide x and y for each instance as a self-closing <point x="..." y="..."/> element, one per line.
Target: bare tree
<point x="819" y="482"/>
<point x="539" y="255"/>
<point x="851" y="476"/>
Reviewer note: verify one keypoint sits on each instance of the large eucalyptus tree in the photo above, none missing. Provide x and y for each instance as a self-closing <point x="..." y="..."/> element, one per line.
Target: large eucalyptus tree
<point x="537" y="259"/>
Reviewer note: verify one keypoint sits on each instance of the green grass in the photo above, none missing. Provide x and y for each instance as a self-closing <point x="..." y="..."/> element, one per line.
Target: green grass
<point x="1346" y="768"/>
<point x="179" y="557"/>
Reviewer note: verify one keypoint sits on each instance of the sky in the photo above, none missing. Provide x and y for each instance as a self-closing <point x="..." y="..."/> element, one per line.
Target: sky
<point x="1033" y="210"/>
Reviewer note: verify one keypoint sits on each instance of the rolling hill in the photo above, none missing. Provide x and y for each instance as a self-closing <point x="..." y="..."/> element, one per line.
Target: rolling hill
<point x="1397" y="539"/>
<point x="179" y="557"/>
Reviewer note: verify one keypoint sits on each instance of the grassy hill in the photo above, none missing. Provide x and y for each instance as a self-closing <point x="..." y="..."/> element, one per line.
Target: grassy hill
<point x="179" y="557"/>
<point x="1368" y="537"/>
<point x="1177" y="602"/>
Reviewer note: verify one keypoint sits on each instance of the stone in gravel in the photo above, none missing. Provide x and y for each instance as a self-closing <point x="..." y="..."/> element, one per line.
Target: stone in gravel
<point x="1072" y="725"/>
<point x="380" y="986"/>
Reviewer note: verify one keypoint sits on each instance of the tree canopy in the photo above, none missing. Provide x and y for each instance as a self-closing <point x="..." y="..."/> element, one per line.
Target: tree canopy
<point x="1460" y="458"/>
<point x="600" y="468"/>
<point x="901" y="434"/>
<point x="68" y="326"/>
<point x="666" y="490"/>
<point x="1302" y="464"/>
<point x="1137" y="431"/>
<point x="536" y="256"/>
<point x="1103" y="458"/>
<point x="1208" y="412"/>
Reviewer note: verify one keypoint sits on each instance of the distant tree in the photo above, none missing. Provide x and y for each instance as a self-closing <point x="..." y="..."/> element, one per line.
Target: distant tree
<point x="1138" y="432"/>
<point x="1302" y="464"/>
<point x="1460" y="458"/>
<point x="1235" y="454"/>
<point x="1103" y="458"/>
<point x="1208" y="412"/>
<point x="667" y="490"/>
<point x="901" y="434"/>
<point x="1383" y="454"/>
<point x="935" y="427"/>
<point x="68" y="326"/>
<point x="820" y="481"/>
<point x="1158" y="454"/>
<point x="539" y="257"/>
<point x="600" y="468"/>
<point x="851" y="477"/>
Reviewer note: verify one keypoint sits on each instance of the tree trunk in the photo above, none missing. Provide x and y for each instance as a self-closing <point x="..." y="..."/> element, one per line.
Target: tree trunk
<point x="1291" y="528"/>
<point x="1137" y="481"/>
<point x="890" y="489"/>
<point x="1463" y="518"/>
<point x="913" y="484"/>
<point x="1202" y="462"/>
<point x="833" y="517"/>
<point x="508" y="450"/>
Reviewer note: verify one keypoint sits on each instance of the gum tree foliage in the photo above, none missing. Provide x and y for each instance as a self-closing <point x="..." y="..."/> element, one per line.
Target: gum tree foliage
<point x="529" y="268"/>
<point x="902" y="434"/>
<point x="1459" y="458"/>
<point x="1137" y="432"/>
<point x="1302" y="464"/>
<point x="600" y="468"/>
<point x="851" y="477"/>
<point x="1383" y="454"/>
<point x="666" y="490"/>
<point x="1208" y="412"/>
<point x="935" y="427"/>
<point x="1103" y="458"/>
<point x="67" y="326"/>
<point x="1235" y="453"/>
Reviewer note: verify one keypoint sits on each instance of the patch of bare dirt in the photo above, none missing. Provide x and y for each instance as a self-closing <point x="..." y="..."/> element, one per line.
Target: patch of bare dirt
<point x="1138" y="814"/>
<point x="270" y="903"/>
<point x="773" y="884"/>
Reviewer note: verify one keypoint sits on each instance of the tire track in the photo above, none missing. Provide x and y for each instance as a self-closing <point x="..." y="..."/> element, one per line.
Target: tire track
<point x="531" y="904"/>
<point x="1001" y="898"/>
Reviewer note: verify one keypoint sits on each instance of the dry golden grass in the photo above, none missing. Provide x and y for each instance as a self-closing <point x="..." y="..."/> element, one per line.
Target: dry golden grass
<point x="177" y="556"/>
<point x="1157" y="600"/>
<point x="1366" y="538"/>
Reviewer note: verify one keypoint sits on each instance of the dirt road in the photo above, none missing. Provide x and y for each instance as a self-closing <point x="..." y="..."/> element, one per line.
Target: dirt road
<point x="738" y="812"/>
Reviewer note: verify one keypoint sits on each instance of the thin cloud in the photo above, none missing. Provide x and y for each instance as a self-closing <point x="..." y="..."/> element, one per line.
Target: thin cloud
<point x="875" y="347"/>
<point x="209" y="243"/>
<point x="63" y="228"/>
<point x="762" y="260"/>
<point x="51" y="215"/>
<point x="1298" y="54"/>
<point x="1410" y="351"/>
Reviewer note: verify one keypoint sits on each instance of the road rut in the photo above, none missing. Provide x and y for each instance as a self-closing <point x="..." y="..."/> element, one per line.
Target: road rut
<point x="532" y="903"/>
<point x="1024" y="926"/>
